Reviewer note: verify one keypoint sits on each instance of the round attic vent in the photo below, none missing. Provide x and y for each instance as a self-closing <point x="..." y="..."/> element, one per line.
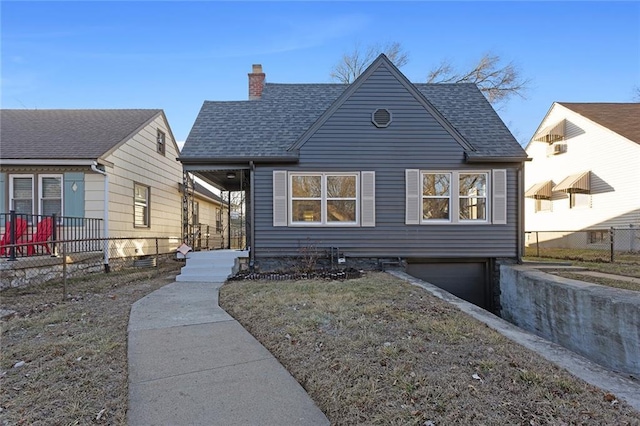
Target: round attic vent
<point x="381" y="117"/>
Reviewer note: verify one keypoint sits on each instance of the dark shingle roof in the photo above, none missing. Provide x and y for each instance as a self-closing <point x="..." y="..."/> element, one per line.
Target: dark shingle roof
<point x="67" y="133"/>
<point x="261" y="128"/>
<point x="268" y="126"/>
<point x="622" y="118"/>
<point x="466" y="108"/>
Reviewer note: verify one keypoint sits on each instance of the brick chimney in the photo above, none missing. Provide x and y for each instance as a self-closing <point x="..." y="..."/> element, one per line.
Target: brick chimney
<point x="256" y="82"/>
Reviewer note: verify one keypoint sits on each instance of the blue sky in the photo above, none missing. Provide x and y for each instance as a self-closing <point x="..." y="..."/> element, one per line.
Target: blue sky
<point x="174" y="55"/>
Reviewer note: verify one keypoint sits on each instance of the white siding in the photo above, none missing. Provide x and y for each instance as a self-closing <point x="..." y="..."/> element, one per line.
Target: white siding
<point x="613" y="161"/>
<point x="208" y="211"/>
<point x="137" y="160"/>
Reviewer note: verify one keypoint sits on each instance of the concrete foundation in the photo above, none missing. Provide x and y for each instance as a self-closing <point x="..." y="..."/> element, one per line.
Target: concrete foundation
<point x="598" y="322"/>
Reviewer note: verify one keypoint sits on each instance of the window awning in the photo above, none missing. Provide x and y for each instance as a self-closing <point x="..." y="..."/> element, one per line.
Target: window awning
<point x="550" y="134"/>
<point x="540" y="191"/>
<point x="578" y="183"/>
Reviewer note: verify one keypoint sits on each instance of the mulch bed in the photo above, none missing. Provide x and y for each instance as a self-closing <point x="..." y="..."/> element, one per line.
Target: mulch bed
<point x="325" y="274"/>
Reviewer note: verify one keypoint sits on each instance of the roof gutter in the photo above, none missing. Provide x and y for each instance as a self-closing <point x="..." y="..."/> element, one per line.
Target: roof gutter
<point x="495" y="159"/>
<point x="235" y="160"/>
<point x="49" y="162"/>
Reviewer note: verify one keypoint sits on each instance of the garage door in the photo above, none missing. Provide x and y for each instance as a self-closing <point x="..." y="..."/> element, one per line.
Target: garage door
<point x="467" y="280"/>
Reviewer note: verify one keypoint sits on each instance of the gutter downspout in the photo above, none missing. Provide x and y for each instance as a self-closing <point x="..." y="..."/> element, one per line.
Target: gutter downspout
<point x="520" y="231"/>
<point x="105" y="235"/>
<point x="252" y="257"/>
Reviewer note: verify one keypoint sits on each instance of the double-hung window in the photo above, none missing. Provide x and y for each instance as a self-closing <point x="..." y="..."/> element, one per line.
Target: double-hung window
<point x="472" y="196"/>
<point x="45" y="198"/>
<point x="436" y="196"/>
<point x="447" y="196"/>
<point x="324" y="198"/>
<point x="50" y="195"/>
<point x="21" y="191"/>
<point x="141" y="205"/>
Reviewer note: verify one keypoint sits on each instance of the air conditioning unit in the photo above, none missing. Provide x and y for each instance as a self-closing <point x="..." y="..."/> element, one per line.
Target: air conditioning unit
<point x="557" y="148"/>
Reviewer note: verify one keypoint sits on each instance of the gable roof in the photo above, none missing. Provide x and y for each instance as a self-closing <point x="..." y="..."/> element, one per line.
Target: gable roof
<point x="275" y="125"/>
<point x="622" y="118"/>
<point x="381" y="60"/>
<point x="68" y="133"/>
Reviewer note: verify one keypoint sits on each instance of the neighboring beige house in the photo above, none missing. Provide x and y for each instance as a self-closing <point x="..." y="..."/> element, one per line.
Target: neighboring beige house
<point x="210" y="218"/>
<point x="584" y="173"/>
<point x="70" y="162"/>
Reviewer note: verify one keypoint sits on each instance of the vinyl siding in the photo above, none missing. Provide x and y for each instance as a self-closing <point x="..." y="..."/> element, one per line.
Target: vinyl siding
<point x="137" y="160"/>
<point x="348" y="142"/>
<point x="207" y="216"/>
<point x="613" y="161"/>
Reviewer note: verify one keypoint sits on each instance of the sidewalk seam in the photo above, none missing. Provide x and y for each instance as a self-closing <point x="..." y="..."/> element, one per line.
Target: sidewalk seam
<point x="206" y="369"/>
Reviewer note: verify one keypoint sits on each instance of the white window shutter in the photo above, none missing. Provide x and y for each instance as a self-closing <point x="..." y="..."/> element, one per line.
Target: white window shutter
<point x="412" y="197"/>
<point x="368" y="199"/>
<point x="499" y="196"/>
<point x="280" y="202"/>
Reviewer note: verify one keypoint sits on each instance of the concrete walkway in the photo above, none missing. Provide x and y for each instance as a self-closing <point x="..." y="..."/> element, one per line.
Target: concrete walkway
<point x="190" y="363"/>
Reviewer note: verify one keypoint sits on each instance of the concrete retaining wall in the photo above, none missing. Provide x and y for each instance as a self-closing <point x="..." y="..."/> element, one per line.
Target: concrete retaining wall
<point x="598" y="322"/>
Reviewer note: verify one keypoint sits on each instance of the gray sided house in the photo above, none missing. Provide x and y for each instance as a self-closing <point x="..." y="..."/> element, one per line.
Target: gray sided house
<point x="379" y="169"/>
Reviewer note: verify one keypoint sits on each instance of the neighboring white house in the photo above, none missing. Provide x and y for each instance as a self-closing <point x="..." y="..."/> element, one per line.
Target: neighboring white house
<point x="585" y="171"/>
<point x="72" y="162"/>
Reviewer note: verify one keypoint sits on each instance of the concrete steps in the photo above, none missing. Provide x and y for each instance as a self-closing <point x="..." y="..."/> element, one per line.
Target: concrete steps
<point x="213" y="266"/>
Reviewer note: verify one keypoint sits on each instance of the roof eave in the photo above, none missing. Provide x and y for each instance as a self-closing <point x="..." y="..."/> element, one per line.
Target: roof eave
<point x="494" y="159"/>
<point x="241" y="159"/>
<point x="51" y="161"/>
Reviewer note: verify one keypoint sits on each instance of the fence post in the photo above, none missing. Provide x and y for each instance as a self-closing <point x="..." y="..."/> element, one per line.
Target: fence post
<point x="12" y="234"/>
<point x="157" y="251"/>
<point x="537" y="245"/>
<point x="54" y="236"/>
<point x="611" y="238"/>
<point x="64" y="272"/>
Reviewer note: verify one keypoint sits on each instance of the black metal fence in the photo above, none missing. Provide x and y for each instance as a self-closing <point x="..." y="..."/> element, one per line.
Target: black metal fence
<point x="599" y="245"/>
<point x="206" y="237"/>
<point x="111" y="259"/>
<point x="26" y="235"/>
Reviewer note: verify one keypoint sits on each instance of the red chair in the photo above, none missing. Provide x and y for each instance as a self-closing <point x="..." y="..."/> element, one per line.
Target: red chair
<point x="21" y="228"/>
<point x="44" y="230"/>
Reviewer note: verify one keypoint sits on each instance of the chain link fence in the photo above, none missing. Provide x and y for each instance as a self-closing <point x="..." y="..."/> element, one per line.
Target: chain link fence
<point x="599" y="245"/>
<point x="115" y="260"/>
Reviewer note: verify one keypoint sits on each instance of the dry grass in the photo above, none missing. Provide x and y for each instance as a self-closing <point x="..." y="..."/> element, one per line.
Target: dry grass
<point x="597" y="260"/>
<point x="626" y="285"/>
<point x="75" y="351"/>
<point x="378" y="351"/>
<point x="628" y="266"/>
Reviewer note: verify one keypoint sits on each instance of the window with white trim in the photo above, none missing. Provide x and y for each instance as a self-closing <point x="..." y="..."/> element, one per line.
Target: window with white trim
<point x="50" y="191"/>
<point x="141" y="205"/>
<point x="161" y="142"/>
<point x="324" y="198"/>
<point x="472" y="196"/>
<point x="465" y="196"/>
<point x="21" y="194"/>
<point x="543" y="205"/>
<point x="579" y="200"/>
<point x="436" y="196"/>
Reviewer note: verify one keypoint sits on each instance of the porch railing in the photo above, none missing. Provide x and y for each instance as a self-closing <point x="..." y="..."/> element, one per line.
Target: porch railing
<point x="25" y="235"/>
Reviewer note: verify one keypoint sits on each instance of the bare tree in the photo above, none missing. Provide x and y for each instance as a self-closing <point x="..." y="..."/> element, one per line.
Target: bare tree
<point x="354" y="63"/>
<point x="496" y="80"/>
